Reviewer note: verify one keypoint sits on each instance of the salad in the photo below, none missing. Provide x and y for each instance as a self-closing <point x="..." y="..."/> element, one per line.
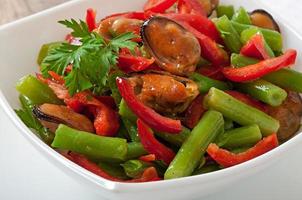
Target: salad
<point x="181" y="88"/>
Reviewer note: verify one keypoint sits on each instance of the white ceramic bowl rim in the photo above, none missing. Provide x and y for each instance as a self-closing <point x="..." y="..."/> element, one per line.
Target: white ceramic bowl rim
<point x="117" y="186"/>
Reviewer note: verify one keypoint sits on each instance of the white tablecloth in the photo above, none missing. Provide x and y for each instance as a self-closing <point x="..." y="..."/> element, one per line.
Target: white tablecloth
<point x="25" y="174"/>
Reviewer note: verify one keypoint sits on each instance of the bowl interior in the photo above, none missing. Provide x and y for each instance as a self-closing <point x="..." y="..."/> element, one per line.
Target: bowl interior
<point x="21" y="41"/>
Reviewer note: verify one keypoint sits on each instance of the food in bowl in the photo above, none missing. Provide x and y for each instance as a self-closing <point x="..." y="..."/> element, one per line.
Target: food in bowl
<point x="181" y="88"/>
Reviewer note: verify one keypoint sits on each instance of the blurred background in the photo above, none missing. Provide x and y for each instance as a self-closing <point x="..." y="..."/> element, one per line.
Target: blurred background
<point x="11" y="10"/>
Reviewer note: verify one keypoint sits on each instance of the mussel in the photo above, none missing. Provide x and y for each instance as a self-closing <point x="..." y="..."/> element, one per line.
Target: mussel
<point x="175" y="49"/>
<point x="289" y="116"/>
<point x="167" y="94"/>
<point x="263" y="19"/>
<point x="51" y="115"/>
<point x="209" y="5"/>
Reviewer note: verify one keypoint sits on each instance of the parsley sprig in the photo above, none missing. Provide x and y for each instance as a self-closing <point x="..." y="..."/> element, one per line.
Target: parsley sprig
<point x="91" y="60"/>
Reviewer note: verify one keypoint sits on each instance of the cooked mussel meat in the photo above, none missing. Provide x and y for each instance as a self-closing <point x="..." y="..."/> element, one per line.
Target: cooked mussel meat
<point x="263" y="19"/>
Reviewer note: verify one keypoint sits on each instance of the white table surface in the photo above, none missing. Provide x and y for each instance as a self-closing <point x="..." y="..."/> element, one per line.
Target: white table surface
<point x="25" y="174"/>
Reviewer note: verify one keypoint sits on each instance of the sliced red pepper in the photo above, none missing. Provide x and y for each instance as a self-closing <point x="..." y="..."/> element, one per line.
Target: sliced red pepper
<point x="248" y="100"/>
<point x="150" y="174"/>
<point x="158" y="6"/>
<point x="90" y="19"/>
<point x="151" y="144"/>
<point x="148" y="115"/>
<point x="191" y="7"/>
<point x="209" y="48"/>
<point x="148" y="158"/>
<point x="107" y="100"/>
<point x="194" y="112"/>
<point x="255" y="48"/>
<point x="198" y="22"/>
<point x="106" y="120"/>
<point x="228" y="159"/>
<point x="130" y="63"/>
<point x="129" y="15"/>
<point x="255" y="71"/>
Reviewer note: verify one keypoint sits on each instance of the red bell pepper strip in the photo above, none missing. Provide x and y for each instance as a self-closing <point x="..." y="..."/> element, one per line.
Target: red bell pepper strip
<point x="107" y="100"/>
<point x="148" y="158"/>
<point x="228" y="159"/>
<point x="151" y="144"/>
<point x="209" y="48"/>
<point x="200" y="23"/>
<point x="194" y="112"/>
<point x="129" y="15"/>
<point x="150" y="174"/>
<point x="191" y="7"/>
<point x="255" y="48"/>
<point x="90" y="19"/>
<point x="255" y="71"/>
<point x="106" y="120"/>
<point x="248" y="100"/>
<point x="211" y="72"/>
<point x="130" y="63"/>
<point x="148" y="115"/>
<point x="158" y="6"/>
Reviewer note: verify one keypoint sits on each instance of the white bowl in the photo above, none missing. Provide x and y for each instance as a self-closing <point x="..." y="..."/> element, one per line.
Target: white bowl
<point x="19" y="44"/>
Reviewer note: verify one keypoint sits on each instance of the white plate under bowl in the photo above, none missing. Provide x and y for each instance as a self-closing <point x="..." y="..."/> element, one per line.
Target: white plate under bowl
<point x="19" y="44"/>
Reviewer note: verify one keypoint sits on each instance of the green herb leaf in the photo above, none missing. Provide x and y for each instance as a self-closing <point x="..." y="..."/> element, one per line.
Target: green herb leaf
<point x="91" y="60"/>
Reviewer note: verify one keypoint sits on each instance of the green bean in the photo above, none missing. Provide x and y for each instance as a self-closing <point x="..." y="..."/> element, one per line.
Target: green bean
<point x="45" y="49"/>
<point x="228" y="124"/>
<point x="238" y="60"/>
<point x="229" y="34"/>
<point x="239" y="137"/>
<point x="240" y="112"/>
<point x="92" y="145"/>
<point x="175" y="139"/>
<point x="135" y="168"/>
<point x="191" y="151"/>
<point x="30" y="121"/>
<point x="36" y="91"/>
<point x="205" y="83"/>
<point x="264" y="91"/>
<point x="114" y="170"/>
<point x="126" y="113"/>
<point x="227" y="10"/>
<point x="132" y="130"/>
<point x="113" y="87"/>
<point x="286" y="78"/>
<point x="246" y="35"/>
<point x="273" y="38"/>
<point x="241" y="16"/>
<point x="207" y="169"/>
<point x="135" y="149"/>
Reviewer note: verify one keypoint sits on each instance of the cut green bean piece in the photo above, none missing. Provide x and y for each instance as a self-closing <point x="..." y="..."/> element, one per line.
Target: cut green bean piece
<point x="45" y="49"/>
<point x="114" y="170"/>
<point x="241" y="16"/>
<point x="246" y="35"/>
<point x="264" y="91"/>
<point x="30" y="120"/>
<point x="175" y="139"/>
<point x="238" y="60"/>
<point x="205" y="83"/>
<point x="286" y="78"/>
<point x="240" y="112"/>
<point x="229" y="34"/>
<point x="132" y="130"/>
<point x="36" y="91"/>
<point x="227" y="10"/>
<point x="126" y="113"/>
<point x="135" y="168"/>
<point x="190" y="153"/>
<point x="273" y="38"/>
<point x="135" y="150"/>
<point x="239" y="137"/>
<point x="92" y="145"/>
